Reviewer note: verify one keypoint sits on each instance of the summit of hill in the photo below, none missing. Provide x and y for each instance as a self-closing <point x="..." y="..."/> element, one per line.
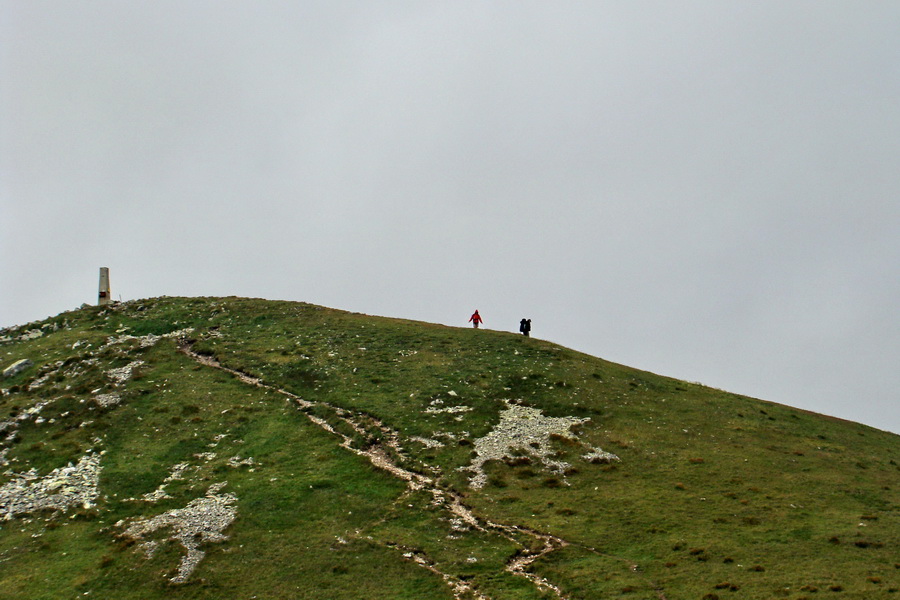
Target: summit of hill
<point x="245" y="448"/>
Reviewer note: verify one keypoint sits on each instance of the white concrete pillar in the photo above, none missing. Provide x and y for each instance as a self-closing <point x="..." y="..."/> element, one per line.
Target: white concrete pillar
<point x="104" y="297"/>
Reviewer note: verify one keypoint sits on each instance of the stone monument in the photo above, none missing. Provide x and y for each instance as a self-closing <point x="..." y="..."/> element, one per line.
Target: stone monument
<point x="104" y="297"/>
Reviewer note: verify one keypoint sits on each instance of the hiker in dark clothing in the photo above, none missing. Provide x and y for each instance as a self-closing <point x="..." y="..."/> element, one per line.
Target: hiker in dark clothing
<point x="525" y="327"/>
<point x="475" y="319"/>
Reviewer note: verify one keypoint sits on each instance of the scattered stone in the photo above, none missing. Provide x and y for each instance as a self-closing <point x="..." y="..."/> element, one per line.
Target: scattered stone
<point x="427" y="442"/>
<point x="160" y="493"/>
<point x="32" y="413"/>
<point x="525" y="429"/>
<point x="448" y="409"/>
<point x="202" y="521"/>
<point x="458" y="525"/>
<point x="177" y="473"/>
<point x="150" y="548"/>
<point x="598" y="456"/>
<point x="63" y="488"/>
<point x="17" y="367"/>
<point x="107" y="400"/>
<point x="40" y="381"/>
<point x="123" y="374"/>
<point x="156" y="495"/>
<point x="36" y="409"/>
<point x="237" y="461"/>
<point x="146" y="341"/>
<point x="451" y="436"/>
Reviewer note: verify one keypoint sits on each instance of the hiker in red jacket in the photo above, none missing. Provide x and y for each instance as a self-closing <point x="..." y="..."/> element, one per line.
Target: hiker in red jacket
<point x="475" y="319"/>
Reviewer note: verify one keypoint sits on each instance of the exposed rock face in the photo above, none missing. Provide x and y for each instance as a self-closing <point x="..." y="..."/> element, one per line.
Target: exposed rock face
<point x="62" y="489"/>
<point x="17" y="367"/>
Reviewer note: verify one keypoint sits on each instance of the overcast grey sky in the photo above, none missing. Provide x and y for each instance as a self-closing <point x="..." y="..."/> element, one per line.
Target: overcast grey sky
<point x="708" y="190"/>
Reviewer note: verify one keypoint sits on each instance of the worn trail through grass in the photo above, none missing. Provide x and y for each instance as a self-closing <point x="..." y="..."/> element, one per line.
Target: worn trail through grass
<point x="382" y="455"/>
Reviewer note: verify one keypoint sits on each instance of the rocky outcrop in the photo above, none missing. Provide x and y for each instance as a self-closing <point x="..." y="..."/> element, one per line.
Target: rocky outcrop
<point x="17" y="367"/>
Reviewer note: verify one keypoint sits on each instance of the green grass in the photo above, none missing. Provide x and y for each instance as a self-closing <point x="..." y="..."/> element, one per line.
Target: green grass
<point x="715" y="494"/>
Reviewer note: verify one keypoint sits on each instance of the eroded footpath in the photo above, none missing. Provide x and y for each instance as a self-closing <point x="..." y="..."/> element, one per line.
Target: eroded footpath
<point x="385" y="453"/>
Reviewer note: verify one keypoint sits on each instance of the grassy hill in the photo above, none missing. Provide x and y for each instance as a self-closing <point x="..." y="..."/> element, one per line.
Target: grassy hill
<point x="239" y="448"/>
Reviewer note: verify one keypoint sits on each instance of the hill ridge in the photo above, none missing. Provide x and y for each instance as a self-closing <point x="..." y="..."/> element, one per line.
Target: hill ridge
<point x="354" y="440"/>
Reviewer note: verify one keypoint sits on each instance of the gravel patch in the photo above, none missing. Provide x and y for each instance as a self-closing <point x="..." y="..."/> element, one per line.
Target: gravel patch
<point x="146" y="341"/>
<point x="596" y="455"/>
<point x="202" y="521"/>
<point x="62" y="489"/>
<point x="177" y="473"/>
<point x="107" y="400"/>
<point x="447" y="409"/>
<point x="527" y="430"/>
<point x="123" y="374"/>
<point x="237" y="461"/>
<point x="39" y="382"/>
<point x="428" y="443"/>
<point x="30" y="413"/>
<point x="156" y="495"/>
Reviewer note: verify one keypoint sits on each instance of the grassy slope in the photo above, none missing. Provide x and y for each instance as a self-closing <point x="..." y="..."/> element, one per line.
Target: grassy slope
<point x="715" y="494"/>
